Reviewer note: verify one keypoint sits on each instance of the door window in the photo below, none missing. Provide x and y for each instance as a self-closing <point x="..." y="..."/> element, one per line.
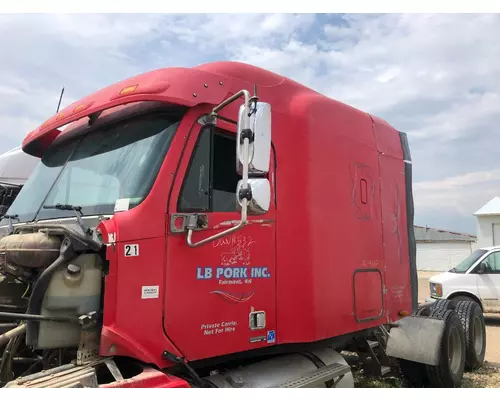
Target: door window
<point x="492" y="263"/>
<point x="211" y="179"/>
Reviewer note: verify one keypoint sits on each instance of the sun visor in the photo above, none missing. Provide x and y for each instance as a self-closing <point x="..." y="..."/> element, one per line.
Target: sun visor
<point x="182" y="86"/>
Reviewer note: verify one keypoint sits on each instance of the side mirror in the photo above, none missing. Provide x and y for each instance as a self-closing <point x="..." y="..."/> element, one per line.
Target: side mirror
<point x="259" y="122"/>
<point x="481" y="269"/>
<point x="260" y="199"/>
<point x="253" y="157"/>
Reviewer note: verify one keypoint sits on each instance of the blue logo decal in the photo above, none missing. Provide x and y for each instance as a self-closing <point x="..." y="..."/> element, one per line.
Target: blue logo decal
<point x="271" y="336"/>
<point x="204" y="273"/>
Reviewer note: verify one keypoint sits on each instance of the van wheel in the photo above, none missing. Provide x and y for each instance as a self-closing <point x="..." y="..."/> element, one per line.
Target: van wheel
<point x="449" y="372"/>
<point x="472" y="319"/>
<point x="415" y="373"/>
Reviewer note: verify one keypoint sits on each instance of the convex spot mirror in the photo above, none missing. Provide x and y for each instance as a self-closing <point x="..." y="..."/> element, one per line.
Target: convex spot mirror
<point x="260" y="149"/>
<point x="261" y="196"/>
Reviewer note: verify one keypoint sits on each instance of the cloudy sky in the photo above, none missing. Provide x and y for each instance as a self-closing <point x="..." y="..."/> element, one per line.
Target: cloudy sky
<point x="435" y="77"/>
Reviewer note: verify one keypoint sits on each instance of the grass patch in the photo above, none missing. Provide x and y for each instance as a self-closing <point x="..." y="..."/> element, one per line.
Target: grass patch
<point x="361" y="381"/>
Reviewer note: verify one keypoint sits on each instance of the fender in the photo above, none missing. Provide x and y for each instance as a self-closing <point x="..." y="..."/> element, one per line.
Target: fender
<point x="463" y="293"/>
<point x="416" y="338"/>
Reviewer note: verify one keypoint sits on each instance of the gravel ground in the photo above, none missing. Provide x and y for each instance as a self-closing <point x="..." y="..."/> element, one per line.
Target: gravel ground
<point x="486" y="377"/>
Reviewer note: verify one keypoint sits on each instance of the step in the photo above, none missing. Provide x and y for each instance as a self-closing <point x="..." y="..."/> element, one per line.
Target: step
<point x="385" y="370"/>
<point x="321" y="375"/>
<point x="373" y="344"/>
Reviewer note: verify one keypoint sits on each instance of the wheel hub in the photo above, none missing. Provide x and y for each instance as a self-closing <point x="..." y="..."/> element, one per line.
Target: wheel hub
<point x="454" y="353"/>
<point x="477" y="335"/>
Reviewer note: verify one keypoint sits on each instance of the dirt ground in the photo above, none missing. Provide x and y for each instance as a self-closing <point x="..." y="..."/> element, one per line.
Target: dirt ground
<point x="485" y="377"/>
<point x="492" y="321"/>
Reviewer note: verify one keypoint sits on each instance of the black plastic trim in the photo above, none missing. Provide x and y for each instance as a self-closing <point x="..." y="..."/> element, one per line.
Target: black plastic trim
<point x="410" y="215"/>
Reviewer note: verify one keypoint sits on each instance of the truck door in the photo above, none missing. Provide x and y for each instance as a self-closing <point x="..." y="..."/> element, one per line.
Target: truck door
<point x="220" y="297"/>
<point x="488" y="282"/>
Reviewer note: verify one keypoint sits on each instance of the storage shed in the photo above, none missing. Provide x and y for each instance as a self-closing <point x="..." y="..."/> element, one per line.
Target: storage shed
<point x="488" y="223"/>
<point x="440" y="250"/>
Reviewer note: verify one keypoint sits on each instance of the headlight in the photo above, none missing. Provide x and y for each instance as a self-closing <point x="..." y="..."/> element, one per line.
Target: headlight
<point x="436" y="289"/>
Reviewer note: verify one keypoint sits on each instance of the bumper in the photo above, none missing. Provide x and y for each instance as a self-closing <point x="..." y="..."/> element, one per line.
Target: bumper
<point x="430" y="300"/>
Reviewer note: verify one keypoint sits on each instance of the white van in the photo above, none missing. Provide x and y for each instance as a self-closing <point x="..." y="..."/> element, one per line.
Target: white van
<point x="476" y="278"/>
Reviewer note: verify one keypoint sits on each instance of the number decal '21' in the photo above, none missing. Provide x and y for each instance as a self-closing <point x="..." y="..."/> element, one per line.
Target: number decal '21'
<point x="131" y="250"/>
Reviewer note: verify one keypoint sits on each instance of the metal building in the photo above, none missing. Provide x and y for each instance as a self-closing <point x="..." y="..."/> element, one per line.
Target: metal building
<point x="440" y="250"/>
<point x="488" y="223"/>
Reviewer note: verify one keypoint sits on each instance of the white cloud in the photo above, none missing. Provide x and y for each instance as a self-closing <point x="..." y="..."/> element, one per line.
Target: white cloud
<point x="433" y="76"/>
<point x="461" y="194"/>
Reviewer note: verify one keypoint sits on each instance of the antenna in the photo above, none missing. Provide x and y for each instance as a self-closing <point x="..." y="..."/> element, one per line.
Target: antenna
<point x="60" y="98"/>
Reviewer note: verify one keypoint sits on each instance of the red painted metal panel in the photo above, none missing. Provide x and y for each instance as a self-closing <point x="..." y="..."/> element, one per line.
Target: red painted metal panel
<point x="396" y="252"/>
<point x="219" y="284"/>
<point x="368" y="295"/>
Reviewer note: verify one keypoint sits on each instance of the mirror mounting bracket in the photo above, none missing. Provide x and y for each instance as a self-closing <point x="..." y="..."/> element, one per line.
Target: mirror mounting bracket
<point x="210" y="119"/>
<point x="180" y="222"/>
<point x="254" y="99"/>
<point x="191" y="223"/>
<point x="245" y="193"/>
<point x="247" y="134"/>
<point x="207" y="120"/>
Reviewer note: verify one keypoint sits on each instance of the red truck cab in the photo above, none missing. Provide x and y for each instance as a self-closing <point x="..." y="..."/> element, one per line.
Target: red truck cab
<point x="228" y="230"/>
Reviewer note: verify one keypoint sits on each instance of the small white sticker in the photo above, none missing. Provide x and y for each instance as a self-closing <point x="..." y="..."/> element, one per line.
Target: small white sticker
<point x="122" y="205"/>
<point x="131" y="250"/>
<point x="150" y="292"/>
<point x="111" y="237"/>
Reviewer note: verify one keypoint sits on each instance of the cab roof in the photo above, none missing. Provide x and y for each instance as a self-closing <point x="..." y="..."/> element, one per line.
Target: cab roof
<point x="209" y="83"/>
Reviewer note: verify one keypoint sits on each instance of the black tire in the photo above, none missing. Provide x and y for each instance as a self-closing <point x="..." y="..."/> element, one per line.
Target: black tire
<point x="415" y="373"/>
<point x="474" y="326"/>
<point x="457" y="299"/>
<point x="424" y="311"/>
<point x="449" y="372"/>
<point x="443" y="303"/>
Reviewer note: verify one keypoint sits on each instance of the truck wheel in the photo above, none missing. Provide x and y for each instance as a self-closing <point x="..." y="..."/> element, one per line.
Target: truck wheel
<point x="449" y="372"/>
<point x="443" y="303"/>
<point x="472" y="319"/>
<point x="415" y="373"/>
<point x="456" y="299"/>
<point x="423" y="311"/>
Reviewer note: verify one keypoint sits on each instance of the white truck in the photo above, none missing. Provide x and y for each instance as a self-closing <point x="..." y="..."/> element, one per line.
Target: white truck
<point x="476" y="278"/>
<point x="15" y="169"/>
